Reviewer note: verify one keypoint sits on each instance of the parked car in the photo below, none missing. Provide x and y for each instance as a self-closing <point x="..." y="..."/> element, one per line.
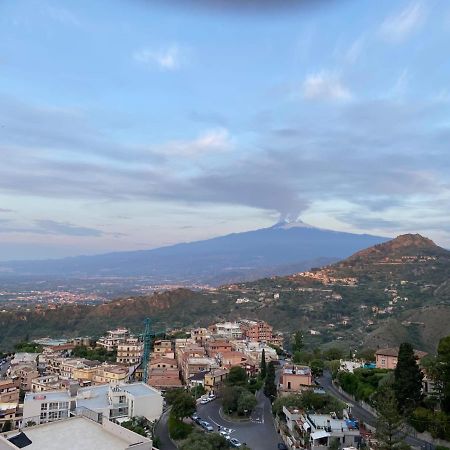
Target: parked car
<point x="235" y="442"/>
<point x="206" y="425"/>
<point x="225" y="434"/>
<point x="204" y="400"/>
<point x="194" y="416"/>
<point x="211" y="397"/>
<point x="199" y="420"/>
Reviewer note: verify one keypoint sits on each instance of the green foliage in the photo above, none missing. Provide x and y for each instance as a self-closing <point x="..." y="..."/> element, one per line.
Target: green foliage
<point x="178" y="429"/>
<point x="362" y="383"/>
<point x="183" y="405"/>
<point x="246" y="403"/>
<point x="270" y="388"/>
<point x="389" y="421"/>
<point x="302" y="357"/>
<point x="263" y="365"/>
<point x="171" y="395"/>
<point x="308" y="401"/>
<point x="230" y="397"/>
<point x="297" y="341"/>
<point x="28" y="347"/>
<point x="237" y="377"/>
<point x="198" y="391"/>
<point x="333" y="353"/>
<point x="204" y="441"/>
<point x="317" y="366"/>
<point x="333" y="367"/>
<point x="94" y="354"/>
<point x="407" y="379"/>
<point x="334" y="444"/>
<point x="436" y="422"/>
<point x="255" y="384"/>
<point x="366" y="354"/>
<point x="444" y="372"/>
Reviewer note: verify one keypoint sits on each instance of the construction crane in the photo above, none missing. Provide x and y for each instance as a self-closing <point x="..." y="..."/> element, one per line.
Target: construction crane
<point x="147" y="338"/>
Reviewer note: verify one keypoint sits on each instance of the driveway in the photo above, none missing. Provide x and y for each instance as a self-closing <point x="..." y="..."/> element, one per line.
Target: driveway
<point x="258" y="433"/>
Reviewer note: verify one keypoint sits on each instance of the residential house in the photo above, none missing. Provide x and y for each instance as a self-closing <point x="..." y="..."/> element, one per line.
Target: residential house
<point x="295" y="379"/>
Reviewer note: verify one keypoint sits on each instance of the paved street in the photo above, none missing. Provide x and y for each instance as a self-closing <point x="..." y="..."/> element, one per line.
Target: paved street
<point x="162" y="432"/>
<point x="258" y="434"/>
<point x="362" y="414"/>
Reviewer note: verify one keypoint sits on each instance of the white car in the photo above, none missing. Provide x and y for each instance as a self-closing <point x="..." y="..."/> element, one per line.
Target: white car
<point x="204" y="401"/>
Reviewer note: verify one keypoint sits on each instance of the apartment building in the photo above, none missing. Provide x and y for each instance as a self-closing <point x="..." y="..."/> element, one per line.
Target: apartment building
<point x="112" y="401"/>
<point x="130" y="351"/>
<point x="215" y="346"/>
<point x="163" y="347"/>
<point x="47" y="383"/>
<point x="9" y="390"/>
<point x="164" y="378"/>
<point x="163" y="363"/>
<point x="215" y="378"/>
<point x="200" y="335"/>
<point x="113" y="338"/>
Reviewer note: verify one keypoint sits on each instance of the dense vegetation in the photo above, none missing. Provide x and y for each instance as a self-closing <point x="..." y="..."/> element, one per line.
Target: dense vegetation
<point x="363" y="383"/>
<point x="94" y="354"/>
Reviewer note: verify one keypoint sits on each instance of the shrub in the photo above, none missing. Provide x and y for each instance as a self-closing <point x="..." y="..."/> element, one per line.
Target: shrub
<point x="177" y="429"/>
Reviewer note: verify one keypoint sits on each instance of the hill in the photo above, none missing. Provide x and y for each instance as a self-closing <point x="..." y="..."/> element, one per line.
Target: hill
<point x="382" y="296"/>
<point x="278" y="250"/>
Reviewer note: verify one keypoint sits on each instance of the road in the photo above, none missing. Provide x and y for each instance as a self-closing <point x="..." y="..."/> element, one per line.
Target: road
<point x="162" y="433"/>
<point x="362" y="414"/>
<point x="258" y="433"/>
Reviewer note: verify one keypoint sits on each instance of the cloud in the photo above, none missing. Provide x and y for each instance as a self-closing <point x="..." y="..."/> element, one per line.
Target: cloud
<point x="50" y="227"/>
<point x="378" y="155"/>
<point x="398" y="27"/>
<point x="324" y="86"/>
<point x="212" y="141"/>
<point x="169" y="58"/>
<point x="6" y="210"/>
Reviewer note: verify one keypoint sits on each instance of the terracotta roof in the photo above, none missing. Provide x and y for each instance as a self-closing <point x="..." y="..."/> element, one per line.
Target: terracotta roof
<point x="394" y="352"/>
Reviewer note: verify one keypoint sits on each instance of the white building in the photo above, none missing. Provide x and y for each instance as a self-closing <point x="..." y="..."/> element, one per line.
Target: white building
<point x="113" y="338"/>
<point x="75" y="433"/>
<point x="230" y="330"/>
<point x="112" y="401"/>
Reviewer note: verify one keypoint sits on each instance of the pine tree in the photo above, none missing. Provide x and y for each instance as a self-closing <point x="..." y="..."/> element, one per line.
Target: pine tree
<point x="407" y="380"/>
<point x="263" y="366"/>
<point x="443" y="365"/>
<point x="270" y="389"/>
<point x="389" y="420"/>
<point x="297" y="341"/>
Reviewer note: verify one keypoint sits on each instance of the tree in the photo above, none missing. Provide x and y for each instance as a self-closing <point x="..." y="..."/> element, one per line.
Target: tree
<point x="237" y="377"/>
<point x="183" y="405"/>
<point x="7" y="426"/>
<point x="334" y="444"/>
<point x="230" y="397"/>
<point x="317" y="366"/>
<point x="246" y="403"/>
<point x="443" y="363"/>
<point x="333" y="353"/>
<point x="407" y="380"/>
<point x="389" y="420"/>
<point x="270" y="389"/>
<point x="263" y="366"/>
<point x="297" y="341"/>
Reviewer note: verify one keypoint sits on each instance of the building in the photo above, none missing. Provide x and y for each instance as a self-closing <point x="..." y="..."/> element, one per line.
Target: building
<point x="215" y="346"/>
<point x="318" y="431"/>
<point x="9" y="391"/>
<point x="110" y="373"/>
<point x="193" y="365"/>
<point x="163" y="363"/>
<point x="47" y="383"/>
<point x="130" y="351"/>
<point x="24" y="374"/>
<point x="164" y="378"/>
<point x="113" y="338"/>
<point x="200" y="335"/>
<point x="215" y="378"/>
<point x="295" y="379"/>
<point x="163" y="347"/>
<point x="112" y="401"/>
<point x="229" y="330"/>
<point x="75" y="433"/>
<point x="386" y="358"/>
<point x="259" y="331"/>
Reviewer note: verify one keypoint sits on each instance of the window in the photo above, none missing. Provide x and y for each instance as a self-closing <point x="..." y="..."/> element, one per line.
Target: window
<point x="43" y="415"/>
<point x="53" y="405"/>
<point x="383" y="362"/>
<point x="43" y="406"/>
<point x="52" y="415"/>
<point x="64" y="405"/>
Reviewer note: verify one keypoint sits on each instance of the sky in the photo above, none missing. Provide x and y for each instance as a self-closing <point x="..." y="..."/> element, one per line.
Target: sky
<point x="132" y="124"/>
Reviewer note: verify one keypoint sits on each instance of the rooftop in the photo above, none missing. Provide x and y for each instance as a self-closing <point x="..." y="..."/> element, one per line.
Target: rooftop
<point x="77" y="433"/>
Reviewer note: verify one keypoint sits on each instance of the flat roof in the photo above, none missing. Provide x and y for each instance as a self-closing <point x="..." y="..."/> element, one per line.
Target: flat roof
<point x="325" y="420"/>
<point x="61" y="396"/>
<point x="77" y="433"/>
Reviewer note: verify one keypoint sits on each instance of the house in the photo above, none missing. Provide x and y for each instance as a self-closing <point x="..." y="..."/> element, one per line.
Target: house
<point x="215" y="346"/>
<point x="215" y="378"/>
<point x="230" y="330"/>
<point x="295" y="379"/>
<point x="386" y="358"/>
<point x="318" y="431"/>
<point x="164" y="378"/>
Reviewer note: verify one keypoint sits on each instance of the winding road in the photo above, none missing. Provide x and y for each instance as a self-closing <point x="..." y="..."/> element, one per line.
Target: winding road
<point x="362" y="414"/>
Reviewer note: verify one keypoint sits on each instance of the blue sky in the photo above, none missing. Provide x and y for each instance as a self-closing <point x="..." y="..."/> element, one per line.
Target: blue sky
<point x="134" y="124"/>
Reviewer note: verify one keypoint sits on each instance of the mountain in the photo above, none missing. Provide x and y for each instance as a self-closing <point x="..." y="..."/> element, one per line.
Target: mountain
<point x="389" y="293"/>
<point x="282" y="249"/>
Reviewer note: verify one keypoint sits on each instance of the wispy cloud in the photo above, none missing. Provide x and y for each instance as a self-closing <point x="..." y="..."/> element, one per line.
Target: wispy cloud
<point x="169" y="58"/>
<point x="398" y="27"/>
<point x="325" y="86"/>
<point x="50" y="227"/>
<point x="212" y="141"/>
